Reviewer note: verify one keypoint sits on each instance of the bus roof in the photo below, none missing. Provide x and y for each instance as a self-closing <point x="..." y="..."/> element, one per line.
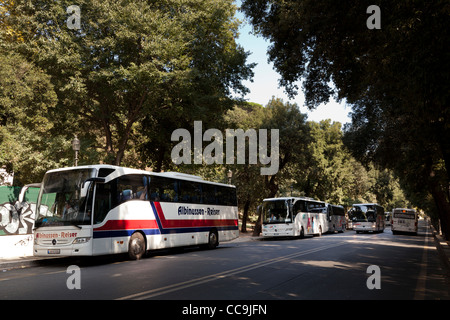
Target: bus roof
<point x="335" y="205"/>
<point x="295" y="198"/>
<point x="118" y="171"/>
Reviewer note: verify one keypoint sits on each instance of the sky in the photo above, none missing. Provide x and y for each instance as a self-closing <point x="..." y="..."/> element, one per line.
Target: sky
<point x="265" y="80"/>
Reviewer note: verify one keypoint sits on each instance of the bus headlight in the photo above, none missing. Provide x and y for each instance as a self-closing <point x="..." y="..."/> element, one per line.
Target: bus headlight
<point x="81" y="240"/>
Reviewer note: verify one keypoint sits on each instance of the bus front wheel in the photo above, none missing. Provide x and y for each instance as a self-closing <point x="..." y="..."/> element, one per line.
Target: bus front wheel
<point x="136" y="247"/>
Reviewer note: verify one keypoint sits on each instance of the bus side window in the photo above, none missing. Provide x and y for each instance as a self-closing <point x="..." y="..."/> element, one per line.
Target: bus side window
<point x="190" y="192"/>
<point x="163" y="189"/>
<point x="226" y="196"/>
<point x="209" y="193"/>
<point x="298" y="207"/>
<point x="131" y="187"/>
<point x="103" y="201"/>
<point x="154" y="193"/>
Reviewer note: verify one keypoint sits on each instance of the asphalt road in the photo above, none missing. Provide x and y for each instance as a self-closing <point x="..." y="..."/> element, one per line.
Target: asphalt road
<point x="334" y="266"/>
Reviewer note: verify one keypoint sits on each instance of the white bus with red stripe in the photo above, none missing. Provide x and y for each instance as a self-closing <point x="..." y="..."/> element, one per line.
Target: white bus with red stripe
<point x="103" y="209"/>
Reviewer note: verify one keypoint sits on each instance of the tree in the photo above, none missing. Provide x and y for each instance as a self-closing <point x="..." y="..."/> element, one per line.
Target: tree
<point x="28" y="146"/>
<point x="396" y="78"/>
<point x="294" y="138"/>
<point x="328" y="172"/>
<point x="247" y="177"/>
<point x="7" y="31"/>
<point x="134" y="62"/>
<point x="293" y="145"/>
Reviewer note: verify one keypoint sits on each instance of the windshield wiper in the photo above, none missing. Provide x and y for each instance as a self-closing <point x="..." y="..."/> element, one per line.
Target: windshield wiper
<point x="75" y="224"/>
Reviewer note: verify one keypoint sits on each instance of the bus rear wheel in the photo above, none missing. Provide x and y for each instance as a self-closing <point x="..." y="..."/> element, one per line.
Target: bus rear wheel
<point x="213" y="239"/>
<point x="136" y="247"/>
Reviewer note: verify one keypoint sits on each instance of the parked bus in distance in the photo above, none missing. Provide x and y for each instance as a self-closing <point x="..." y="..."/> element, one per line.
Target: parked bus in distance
<point x="102" y="209"/>
<point x="388" y="218"/>
<point x="336" y="218"/>
<point x="404" y="220"/>
<point x="293" y="216"/>
<point x="367" y="217"/>
<point x="348" y="218"/>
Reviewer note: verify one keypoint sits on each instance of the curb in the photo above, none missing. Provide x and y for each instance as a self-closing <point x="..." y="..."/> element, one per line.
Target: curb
<point x="443" y="249"/>
<point x="28" y="262"/>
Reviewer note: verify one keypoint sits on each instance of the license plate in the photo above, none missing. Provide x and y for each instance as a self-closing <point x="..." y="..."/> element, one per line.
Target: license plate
<point x="54" y="251"/>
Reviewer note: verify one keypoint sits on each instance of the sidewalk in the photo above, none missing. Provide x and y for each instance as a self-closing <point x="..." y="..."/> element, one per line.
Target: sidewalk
<point x="23" y="262"/>
<point x="31" y="261"/>
<point x="246" y="236"/>
<point x="443" y="248"/>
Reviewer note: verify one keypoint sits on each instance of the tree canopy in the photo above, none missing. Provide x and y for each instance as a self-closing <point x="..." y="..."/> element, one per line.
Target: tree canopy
<point x="134" y="71"/>
<point x="396" y="78"/>
<point x="133" y="65"/>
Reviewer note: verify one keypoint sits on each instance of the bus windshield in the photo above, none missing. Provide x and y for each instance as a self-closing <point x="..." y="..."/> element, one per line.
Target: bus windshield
<point x="64" y="200"/>
<point x="276" y="211"/>
<point x="363" y="214"/>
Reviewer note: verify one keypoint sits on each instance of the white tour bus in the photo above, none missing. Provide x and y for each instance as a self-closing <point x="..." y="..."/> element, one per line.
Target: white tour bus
<point x="367" y="217"/>
<point x="293" y="216"/>
<point x="404" y="220"/>
<point x="388" y="218"/>
<point x="336" y="218"/>
<point x="103" y="209"/>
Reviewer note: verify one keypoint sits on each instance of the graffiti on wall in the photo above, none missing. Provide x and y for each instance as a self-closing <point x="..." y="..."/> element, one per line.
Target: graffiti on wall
<point x="17" y="218"/>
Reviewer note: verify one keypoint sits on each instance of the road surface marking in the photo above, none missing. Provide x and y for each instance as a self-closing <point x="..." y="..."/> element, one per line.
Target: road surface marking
<point x="422" y="279"/>
<point x="194" y="282"/>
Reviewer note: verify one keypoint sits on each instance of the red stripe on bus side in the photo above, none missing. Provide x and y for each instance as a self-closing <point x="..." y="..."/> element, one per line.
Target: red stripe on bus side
<point x="128" y="225"/>
<point x="184" y="223"/>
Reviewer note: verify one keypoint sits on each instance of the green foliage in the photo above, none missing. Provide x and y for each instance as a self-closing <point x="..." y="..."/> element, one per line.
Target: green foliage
<point x="314" y="162"/>
<point x="27" y="146"/>
<point x="395" y="78"/>
<point x="135" y="65"/>
<point x="138" y="70"/>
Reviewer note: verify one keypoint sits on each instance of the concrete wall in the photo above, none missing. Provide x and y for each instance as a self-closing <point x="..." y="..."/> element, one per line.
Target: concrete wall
<point x="17" y="221"/>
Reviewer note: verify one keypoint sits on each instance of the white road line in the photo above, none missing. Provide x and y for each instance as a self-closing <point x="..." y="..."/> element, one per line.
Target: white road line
<point x="422" y="279"/>
<point x="194" y="282"/>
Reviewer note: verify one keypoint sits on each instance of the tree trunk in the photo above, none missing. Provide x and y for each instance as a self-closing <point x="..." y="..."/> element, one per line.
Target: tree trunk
<point x="443" y="206"/>
<point x="245" y="216"/>
<point x="160" y="160"/>
<point x="257" y="230"/>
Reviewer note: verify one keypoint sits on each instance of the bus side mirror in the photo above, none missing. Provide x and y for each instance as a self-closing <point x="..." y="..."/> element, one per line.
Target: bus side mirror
<point x="96" y="180"/>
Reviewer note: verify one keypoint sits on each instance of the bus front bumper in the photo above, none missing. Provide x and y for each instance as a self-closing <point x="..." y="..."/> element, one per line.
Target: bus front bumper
<point x="58" y="251"/>
<point x="273" y="230"/>
<point x="364" y="227"/>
